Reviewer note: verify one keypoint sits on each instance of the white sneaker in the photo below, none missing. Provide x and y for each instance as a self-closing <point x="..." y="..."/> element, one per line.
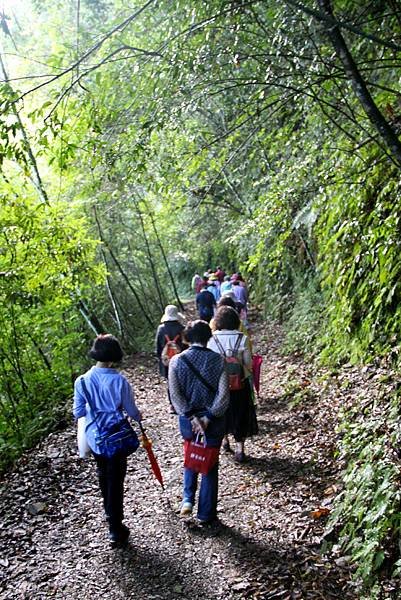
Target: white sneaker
<point x="186" y="509"/>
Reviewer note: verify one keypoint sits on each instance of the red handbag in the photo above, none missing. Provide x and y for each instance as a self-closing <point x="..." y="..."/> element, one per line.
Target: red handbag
<point x="198" y="457"/>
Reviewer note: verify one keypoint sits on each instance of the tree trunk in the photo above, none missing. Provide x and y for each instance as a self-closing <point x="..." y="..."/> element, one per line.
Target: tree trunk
<point x="150" y="260"/>
<point x="126" y="279"/>
<point x="180" y="304"/>
<point x="90" y="318"/>
<point x="108" y="283"/>
<point x="359" y="86"/>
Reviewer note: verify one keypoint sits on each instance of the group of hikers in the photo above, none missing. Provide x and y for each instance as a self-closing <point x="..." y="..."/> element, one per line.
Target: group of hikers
<point x="213" y="285"/>
<point x="208" y="367"/>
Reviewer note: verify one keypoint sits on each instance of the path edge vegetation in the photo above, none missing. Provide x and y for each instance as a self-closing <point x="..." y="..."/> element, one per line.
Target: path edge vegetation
<point x="264" y="138"/>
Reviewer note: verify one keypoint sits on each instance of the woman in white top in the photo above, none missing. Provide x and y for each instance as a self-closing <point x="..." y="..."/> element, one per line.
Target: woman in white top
<point x="233" y="344"/>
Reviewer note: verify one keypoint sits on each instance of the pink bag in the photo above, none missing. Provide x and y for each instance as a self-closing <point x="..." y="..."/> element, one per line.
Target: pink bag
<point x="256" y="366"/>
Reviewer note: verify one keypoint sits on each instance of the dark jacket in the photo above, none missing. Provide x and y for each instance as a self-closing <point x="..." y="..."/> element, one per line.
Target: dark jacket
<point x="205" y="303"/>
<point x="171" y="329"/>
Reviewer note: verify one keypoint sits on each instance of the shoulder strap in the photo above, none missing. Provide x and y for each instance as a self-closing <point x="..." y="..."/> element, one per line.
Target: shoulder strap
<point x="167" y="339"/>
<point x="238" y="343"/>
<point x="198" y="374"/>
<point x="88" y="399"/>
<point x="219" y="345"/>
<point x="86" y="393"/>
<point x="177" y="337"/>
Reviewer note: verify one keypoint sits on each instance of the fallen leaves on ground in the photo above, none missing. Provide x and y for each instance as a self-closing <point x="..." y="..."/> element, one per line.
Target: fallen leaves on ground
<point x="271" y="508"/>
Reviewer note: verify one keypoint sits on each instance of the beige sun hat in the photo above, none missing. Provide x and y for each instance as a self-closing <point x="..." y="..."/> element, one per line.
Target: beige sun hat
<point x="171" y="314"/>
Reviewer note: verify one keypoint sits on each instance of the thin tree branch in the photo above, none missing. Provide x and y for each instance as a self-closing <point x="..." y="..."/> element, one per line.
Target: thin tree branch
<point x="120" y="27"/>
<point x="329" y="20"/>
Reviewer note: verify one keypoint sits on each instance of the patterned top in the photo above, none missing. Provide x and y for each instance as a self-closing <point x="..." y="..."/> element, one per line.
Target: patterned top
<point x="188" y="394"/>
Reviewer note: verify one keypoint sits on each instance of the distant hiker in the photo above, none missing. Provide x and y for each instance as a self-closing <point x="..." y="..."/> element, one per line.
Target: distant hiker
<point x="169" y="339"/>
<point x="219" y="274"/>
<point x="110" y="396"/>
<point x="213" y="286"/>
<point x="205" y="303"/>
<point x="240" y="292"/>
<point x="241" y="280"/>
<point x="229" y="299"/>
<point x="232" y="344"/>
<point x="226" y="285"/>
<point x="199" y="393"/>
<point x="196" y="283"/>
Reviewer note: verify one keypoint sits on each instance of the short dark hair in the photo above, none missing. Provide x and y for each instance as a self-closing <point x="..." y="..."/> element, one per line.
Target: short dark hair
<point x="226" y="317"/>
<point x="106" y="348"/>
<point x="197" y="332"/>
<point x="226" y="301"/>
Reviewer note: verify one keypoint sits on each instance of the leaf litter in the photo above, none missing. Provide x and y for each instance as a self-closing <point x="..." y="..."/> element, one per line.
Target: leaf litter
<point x="272" y="509"/>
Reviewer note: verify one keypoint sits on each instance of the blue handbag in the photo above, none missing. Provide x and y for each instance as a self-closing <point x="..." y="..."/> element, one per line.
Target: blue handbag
<point x="119" y="438"/>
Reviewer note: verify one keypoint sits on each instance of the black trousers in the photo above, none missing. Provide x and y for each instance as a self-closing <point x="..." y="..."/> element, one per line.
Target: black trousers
<point x="111" y="473"/>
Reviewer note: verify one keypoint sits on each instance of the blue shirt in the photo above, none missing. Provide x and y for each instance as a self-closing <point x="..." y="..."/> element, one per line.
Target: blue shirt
<point x="215" y="290"/>
<point x="226" y="287"/>
<point x="110" y="394"/>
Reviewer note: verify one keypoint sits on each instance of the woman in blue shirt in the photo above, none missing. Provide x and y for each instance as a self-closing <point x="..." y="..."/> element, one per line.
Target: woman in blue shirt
<point x="110" y="395"/>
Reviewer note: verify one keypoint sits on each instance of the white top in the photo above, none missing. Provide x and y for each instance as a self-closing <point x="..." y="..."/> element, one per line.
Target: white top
<point x="228" y="339"/>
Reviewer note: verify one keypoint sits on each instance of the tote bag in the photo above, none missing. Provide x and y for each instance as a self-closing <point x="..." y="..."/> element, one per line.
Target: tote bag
<point x="83" y="448"/>
<point x="198" y="457"/>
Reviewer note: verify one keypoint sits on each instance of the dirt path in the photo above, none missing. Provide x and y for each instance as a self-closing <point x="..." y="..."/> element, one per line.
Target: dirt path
<point x="53" y="536"/>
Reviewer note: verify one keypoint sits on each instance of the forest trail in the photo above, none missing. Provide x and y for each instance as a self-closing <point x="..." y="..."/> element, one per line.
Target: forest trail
<point x="53" y="536"/>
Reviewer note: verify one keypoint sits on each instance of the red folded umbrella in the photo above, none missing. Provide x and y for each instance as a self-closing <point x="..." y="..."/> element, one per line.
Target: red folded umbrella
<point x="257" y="360"/>
<point x="147" y="444"/>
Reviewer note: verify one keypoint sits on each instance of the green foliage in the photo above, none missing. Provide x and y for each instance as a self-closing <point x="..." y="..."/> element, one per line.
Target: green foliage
<point x="368" y="509"/>
<point x="305" y="320"/>
<point x="359" y="250"/>
<point x="46" y="263"/>
<point x="185" y="135"/>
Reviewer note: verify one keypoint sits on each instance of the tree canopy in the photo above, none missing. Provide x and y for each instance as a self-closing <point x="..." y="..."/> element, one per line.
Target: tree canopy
<point x="140" y="142"/>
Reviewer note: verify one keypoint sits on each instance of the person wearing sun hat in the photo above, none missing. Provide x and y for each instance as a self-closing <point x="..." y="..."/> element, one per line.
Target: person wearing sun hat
<point x="171" y="314"/>
<point x="171" y="326"/>
<point x="170" y="329"/>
